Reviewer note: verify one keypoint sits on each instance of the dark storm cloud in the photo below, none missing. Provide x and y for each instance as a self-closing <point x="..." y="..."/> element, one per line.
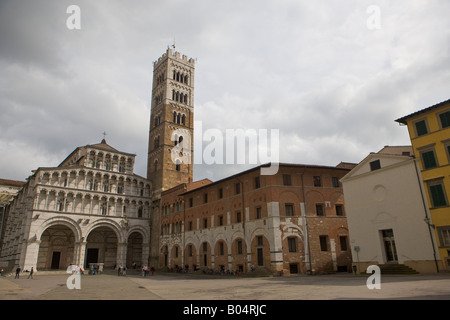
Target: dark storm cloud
<point x="313" y="70"/>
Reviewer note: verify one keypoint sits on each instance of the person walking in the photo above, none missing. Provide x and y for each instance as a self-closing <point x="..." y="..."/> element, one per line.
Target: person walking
<point x="145" y="269"/>
<point x="152" y="270"/>
<point x="1" y="271"/>
<point x="17" y="272"/>
<point x="31" y="273"/>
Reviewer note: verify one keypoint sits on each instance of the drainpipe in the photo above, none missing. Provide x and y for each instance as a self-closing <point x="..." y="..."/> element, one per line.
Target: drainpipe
<point x="427" y="219"/>
<point x="184" y="227"/>
<point x="243" y="224"/>
<point x="306" y="224"/>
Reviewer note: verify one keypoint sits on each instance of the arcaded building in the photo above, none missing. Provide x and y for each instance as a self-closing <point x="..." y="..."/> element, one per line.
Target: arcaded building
<point x="91" y="208"/>
<point x="292" y="222"/>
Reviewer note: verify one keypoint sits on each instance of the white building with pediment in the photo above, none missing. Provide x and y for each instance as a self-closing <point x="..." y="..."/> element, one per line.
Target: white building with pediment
<point x="91" y="208"/>
<point x="388" y="216"/>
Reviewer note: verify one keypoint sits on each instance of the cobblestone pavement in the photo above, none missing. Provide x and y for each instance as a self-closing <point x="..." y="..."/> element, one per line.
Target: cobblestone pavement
<point x="169" y="286"/>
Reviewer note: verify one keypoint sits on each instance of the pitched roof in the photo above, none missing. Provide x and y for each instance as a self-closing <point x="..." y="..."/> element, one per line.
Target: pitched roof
<point x="103" y="146"/>
<point x="12" y="182"/>
<point x="438" y="105"/>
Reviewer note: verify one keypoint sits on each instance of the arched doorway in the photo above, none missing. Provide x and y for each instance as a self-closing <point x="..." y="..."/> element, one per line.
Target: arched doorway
<point x="101" y="247"/>
<point x="134" y="250"/>
<point x="57" y="248"/>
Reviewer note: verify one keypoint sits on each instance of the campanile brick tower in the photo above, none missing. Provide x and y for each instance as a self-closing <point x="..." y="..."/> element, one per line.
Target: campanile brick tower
<point x="171" y="122"/>
<point x="170" y="156"/>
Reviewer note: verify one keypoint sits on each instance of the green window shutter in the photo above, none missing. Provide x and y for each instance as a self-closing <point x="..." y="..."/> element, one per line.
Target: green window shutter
<point x="421" y="128"/>
<point x="438" y="196"/>
<point x="445" y="119"/>
<point x="429" y="161"/>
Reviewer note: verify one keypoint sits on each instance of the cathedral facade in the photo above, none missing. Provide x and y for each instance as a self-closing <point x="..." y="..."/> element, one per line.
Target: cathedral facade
<point x="91" y="208"/>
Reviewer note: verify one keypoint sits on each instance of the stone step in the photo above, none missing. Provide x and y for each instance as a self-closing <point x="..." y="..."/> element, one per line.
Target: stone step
<point x="396" y="269"/>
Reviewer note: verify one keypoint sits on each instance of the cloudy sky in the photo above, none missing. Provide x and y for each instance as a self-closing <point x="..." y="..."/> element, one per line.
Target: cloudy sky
<point x="331" y="76"/>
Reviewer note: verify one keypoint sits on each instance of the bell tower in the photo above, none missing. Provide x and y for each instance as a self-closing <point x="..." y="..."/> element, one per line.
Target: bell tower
<point x="171" y="135"/>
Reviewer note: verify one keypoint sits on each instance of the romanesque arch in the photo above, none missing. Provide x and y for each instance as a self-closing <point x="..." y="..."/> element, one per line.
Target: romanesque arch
<point x="104" y="245"/>
<point x="57" y="246"/>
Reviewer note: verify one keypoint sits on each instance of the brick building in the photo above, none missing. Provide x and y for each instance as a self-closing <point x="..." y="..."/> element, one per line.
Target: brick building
<point x="291" y="222"/>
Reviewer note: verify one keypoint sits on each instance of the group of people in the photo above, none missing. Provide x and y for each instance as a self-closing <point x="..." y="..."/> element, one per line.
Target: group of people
<point x="18" y="270"/>
<point x="121" y="270"/>
<point x="96" y="268"/>
<point x="146" y="269"/>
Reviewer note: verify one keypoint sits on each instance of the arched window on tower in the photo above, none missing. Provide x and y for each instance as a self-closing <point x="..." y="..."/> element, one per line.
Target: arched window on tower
<point x="183" y="119"/>
<point x="178" y="165"/>
<point x="178" y="118"/>
<point x="174" y="117"/>
<point x="155" y="165"/>
<point x="175" y="140"/>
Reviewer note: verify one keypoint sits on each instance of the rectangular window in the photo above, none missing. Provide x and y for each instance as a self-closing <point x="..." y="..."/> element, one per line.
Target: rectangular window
<point x="191" y="202"/>
<point x="375" y="165"/>
<point x="260" y="256"/>
<point x="292" y="244"/>
<point x="319" y="209"/>
<point x="220" y="193"/>
<point x="289" y="210"/>
<point x="237" y="188"/>
<point x="343" y="243"/>
<point x="317" y="181"/>
<point x="238" y="217"/>
<point x="323" y="243"/>
<point x="421" y="127"/>
<point x="190" y="226"/>
<point x="239" y="247"/>
<point x="190" y="250"/>
<point x="287" y="180"/>
<point x="259" y="240"/>
<point x="444" y="236"/>
<point x="340" y="210"/>
<point x="258" y="213"/>
<point x="205" y="223"/>
<point x="220" y="220"/>
<point x="447" y="149"/>
<point x="257" y="183"/>
<point x="335" y="182"/>
<point x="221" y="249"/>
<point x="429" y="159"/>
<point x="205" y="198"/>
<point x="445" y="119"/>
<point x="437" y="193"/>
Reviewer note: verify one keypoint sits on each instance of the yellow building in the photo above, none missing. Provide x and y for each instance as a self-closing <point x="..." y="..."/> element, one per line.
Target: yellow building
<point x="429" y="131"/>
